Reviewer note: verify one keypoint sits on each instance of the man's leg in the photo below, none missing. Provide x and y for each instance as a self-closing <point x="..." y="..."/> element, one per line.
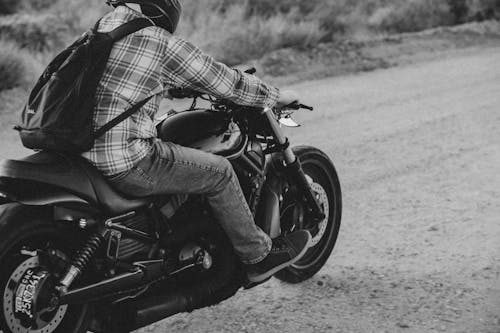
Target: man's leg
<point x="173" y="169"/>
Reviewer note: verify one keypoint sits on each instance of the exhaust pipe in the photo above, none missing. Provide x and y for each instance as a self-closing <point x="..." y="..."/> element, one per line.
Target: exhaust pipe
<point x="141" y="313"/>
<point x="146" y="310"/>
<point x="152" y="310"/>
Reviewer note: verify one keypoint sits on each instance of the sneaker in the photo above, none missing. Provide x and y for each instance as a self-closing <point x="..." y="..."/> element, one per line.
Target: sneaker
<point x="286" y="251"/>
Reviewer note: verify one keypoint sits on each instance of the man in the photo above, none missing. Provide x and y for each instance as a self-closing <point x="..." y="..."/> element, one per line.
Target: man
<point x="148" y="63"/>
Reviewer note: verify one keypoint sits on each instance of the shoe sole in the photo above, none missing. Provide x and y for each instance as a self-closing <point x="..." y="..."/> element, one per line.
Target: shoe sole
<point x="268" y="274"/>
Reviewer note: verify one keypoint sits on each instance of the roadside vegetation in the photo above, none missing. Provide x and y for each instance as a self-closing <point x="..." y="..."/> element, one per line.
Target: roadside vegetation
<point x="234" y="31"/>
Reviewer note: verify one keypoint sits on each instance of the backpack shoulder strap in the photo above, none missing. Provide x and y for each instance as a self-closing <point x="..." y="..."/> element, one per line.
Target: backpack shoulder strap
<point x="115" y="121"/>
<point x="129" y="28"/>
<point x="117" y="34"/>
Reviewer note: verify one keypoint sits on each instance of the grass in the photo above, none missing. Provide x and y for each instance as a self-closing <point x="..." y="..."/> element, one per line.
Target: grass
<point x="12" y="69"/>
<point x="12" y="6"/>
<point x="239" y="42"/>
<point x="8" y="6"/>
<point x="412" y="15"/>
<point x="39" y="33"/>
<point x="18" y="67"/>
<point x="240" y="30"/>
<point x="233" y="31"/>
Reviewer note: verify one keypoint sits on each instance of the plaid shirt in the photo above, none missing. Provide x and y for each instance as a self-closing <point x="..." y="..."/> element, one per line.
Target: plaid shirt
<point x="148" y="63"/>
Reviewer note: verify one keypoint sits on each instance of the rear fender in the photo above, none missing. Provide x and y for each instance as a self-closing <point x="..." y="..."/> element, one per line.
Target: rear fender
<point x="32" y="193"/>
<point x="11" y="214"/>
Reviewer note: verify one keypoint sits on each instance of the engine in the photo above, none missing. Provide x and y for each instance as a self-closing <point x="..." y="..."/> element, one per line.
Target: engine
<point x="249" y="167"/>
<point x="129" y="247"/>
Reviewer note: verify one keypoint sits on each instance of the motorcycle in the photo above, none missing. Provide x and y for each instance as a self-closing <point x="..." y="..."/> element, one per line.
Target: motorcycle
<point x="77" y="256"/>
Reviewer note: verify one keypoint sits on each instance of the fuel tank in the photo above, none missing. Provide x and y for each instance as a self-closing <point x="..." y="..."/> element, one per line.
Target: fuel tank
<point x="210" y="131"/>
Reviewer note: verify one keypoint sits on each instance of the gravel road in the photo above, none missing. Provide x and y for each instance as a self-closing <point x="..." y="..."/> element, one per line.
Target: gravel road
<point x="417" y="149"/>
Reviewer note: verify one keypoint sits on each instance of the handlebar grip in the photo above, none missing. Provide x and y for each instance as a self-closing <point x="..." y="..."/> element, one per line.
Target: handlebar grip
<point x="302" y="106"/>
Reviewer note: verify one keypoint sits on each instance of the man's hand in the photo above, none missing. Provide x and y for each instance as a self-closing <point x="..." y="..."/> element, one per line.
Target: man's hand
<point x="287" y="97"/>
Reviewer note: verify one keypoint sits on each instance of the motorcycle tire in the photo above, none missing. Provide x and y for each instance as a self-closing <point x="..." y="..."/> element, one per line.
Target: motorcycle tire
<point x="324" y="180"/>
<point x="30" y="227"/>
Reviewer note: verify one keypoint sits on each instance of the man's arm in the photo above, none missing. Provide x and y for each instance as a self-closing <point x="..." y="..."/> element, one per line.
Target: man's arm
<point x="189" y="67"/>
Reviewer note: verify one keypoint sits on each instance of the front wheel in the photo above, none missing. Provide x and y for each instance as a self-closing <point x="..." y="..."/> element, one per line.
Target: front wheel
<point x="325" y="184"/>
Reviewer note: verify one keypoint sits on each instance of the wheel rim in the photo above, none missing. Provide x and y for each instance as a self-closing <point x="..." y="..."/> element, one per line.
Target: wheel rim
<point x="322" y="198"/>
<point x="51" y="246"/>
<point x="46" y="322"/>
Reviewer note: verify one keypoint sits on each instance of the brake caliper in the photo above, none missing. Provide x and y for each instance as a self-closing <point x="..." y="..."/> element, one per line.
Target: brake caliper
<point x="29" y="295"/>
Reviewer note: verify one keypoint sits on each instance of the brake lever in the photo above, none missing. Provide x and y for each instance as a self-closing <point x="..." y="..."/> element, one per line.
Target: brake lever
<point x="298" y="106"/>
<point x="306" y="107"/>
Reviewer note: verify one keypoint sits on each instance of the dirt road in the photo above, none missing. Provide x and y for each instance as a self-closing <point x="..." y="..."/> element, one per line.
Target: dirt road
<point x="418" y="152"/>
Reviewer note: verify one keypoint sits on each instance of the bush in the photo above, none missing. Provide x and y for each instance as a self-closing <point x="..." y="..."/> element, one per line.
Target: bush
<point x="238" y="30"/>
<point x="78" y="16"/>
<point x="459" y="9"/>
<point x="8" y="6"/>
<point x="333" y="17"/>
<point x="479" y="10"/>
<point x="268" y="8"/>
<point x="17" y="67"/>
<point x="413" y="15"/>
<point x="44" y="32"/>
<point x="37" y="5"/>
<point x="234" y="38"/>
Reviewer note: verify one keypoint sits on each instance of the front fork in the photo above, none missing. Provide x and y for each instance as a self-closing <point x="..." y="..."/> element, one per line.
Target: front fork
<point x="294" y="168"/>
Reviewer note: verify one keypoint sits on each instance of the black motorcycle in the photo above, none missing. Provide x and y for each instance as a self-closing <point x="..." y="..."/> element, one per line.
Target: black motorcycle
<point x="77" y="256"/>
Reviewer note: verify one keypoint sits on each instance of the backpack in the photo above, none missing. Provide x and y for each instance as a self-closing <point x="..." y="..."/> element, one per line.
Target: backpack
<point x="59" y="113"/>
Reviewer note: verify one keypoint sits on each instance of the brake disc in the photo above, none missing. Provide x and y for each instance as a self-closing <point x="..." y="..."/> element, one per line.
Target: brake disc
<point x="23" y="295"/>
<point x="322" y="198"/>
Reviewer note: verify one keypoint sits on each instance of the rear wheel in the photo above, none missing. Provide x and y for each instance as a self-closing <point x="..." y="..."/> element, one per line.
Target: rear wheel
<point x="33" y="252"/>
<point x="325" y="184"/>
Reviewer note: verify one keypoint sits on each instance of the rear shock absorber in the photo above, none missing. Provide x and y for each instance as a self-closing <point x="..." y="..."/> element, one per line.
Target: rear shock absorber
<point x="82" y="259"/>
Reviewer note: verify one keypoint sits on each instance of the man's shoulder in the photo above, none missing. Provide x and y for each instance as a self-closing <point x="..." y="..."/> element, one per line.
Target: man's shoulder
<point x="118" y="17"/>
<point x="155" y="32"/>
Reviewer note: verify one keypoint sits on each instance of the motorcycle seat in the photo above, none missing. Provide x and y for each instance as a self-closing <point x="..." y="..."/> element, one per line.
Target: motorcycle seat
<point x="73" y="174"/>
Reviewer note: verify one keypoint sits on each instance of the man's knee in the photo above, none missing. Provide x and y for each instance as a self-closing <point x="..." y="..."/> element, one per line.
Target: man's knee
<point x="225" y="167"/>
<point x="224" y="173"/>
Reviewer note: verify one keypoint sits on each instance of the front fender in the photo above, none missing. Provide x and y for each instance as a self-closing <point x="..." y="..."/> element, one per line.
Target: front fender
<point x="268" y="212"/>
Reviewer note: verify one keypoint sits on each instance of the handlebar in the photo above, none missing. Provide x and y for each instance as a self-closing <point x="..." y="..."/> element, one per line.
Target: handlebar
<point x="181" y="93"/>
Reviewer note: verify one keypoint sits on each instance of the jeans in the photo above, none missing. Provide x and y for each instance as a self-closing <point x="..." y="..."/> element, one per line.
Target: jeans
<point x="174" y="169"/>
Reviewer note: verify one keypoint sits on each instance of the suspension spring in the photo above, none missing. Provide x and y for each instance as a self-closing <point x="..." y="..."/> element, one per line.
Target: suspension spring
<point x="87" y="253"/>
<point x="82" y="259"/>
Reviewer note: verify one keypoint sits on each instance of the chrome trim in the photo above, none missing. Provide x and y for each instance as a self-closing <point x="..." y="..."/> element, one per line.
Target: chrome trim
<point x="289" y="156"/>
<point x="240" y="151"/>
<point x="289" y="122"/>
<point x="71" y="276"/>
